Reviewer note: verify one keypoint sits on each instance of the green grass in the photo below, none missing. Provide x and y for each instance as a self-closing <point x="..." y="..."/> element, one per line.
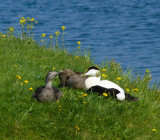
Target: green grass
<point x="98" y="118"/>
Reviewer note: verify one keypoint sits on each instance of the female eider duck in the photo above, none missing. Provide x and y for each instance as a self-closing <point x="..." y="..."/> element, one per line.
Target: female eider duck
<point x="95" y="84"/>
<point x="72" y="79"/>
<point x="48" y="93"/>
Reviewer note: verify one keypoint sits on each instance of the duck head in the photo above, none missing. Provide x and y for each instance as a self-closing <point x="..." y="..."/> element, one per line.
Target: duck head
<point x="51" y="75"/>
<point x="93" y="72"/>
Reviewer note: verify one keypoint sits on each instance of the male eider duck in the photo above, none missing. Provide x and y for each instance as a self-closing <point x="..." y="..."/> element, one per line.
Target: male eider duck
<point x="95" y="84"/>
<point x="48" y="93"/>
<point x="72" y="79"/>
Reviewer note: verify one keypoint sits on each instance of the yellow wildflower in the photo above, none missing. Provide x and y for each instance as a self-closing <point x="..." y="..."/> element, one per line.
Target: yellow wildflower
<point x="79" y="43"/>
<point x="63" y="28"/>
<point x="53" y="68"/>
<point x="77" y="57"/>
<point x="154" y="130"/>
<point x="3" y="35"/>
<point x="127" y="90"/>
<point x="60" y="109"/>
<point x="135" y="89"/>
<point x="36" y="22"/>
<point x="51" y="36"/>
<point x="85" y="94"/>
<point x="30" y="88"/>
<point x="105" y="94"/>
<point x="32" y="19"/>
<point x="119" y="78"/>
<point x="42" y="40"/>
<point x="78" y="47"/>
<point x="59" y="106"/>
<point x="26" y="81"/>
<point x="22" y="20"/>
<point x="18" y="77"/>
<point x="28" y="27"/>
<point x="11" y="29"/>
<point x="104" y="75"/>
<point x="104" y="70"/>
<point x="43" y="35"/>
<point x="57" y="33"/>
<point x="147" y="70"/>
<point x="77" y="128"/>
<point x="84" y="102"/>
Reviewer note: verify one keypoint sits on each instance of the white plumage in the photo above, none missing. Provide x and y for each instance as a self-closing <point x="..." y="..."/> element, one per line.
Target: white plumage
<point x="94" y="80"/>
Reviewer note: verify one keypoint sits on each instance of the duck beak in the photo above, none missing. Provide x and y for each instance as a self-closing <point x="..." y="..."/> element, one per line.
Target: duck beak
<point x="82" y="75"/>
<point x="60" y="71"/>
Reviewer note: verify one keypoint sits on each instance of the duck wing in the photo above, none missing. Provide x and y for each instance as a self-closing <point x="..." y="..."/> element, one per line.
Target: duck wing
<point x="75" y="81"/>
<point x="56" y="92"/>
<point x="100" y="90"/>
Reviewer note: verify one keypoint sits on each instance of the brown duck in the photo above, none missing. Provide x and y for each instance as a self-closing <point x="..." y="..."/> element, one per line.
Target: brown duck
<point x="48" y="93"/>
<point x="72" y="79"/>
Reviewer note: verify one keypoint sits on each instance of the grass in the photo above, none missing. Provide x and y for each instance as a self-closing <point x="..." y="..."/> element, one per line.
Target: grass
<point x="74" y="116"/>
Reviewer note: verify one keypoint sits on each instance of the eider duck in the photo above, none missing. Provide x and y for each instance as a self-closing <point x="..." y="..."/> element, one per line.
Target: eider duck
<point x="95" y="84"/>
<point x="72" y="79"/>
<point x="48" y="93"/>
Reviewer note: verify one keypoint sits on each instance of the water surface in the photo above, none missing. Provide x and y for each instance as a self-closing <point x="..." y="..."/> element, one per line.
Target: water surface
<point x="128" y="31"/>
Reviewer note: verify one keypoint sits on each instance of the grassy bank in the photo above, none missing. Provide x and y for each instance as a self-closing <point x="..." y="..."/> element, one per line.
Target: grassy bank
<point x="75" y="116"/>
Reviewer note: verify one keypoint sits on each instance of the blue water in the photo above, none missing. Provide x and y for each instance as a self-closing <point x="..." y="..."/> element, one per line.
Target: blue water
<point x="128" y="31"/>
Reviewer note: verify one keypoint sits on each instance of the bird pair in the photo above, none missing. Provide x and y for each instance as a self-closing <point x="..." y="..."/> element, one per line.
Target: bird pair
<point x="90" y="81"/>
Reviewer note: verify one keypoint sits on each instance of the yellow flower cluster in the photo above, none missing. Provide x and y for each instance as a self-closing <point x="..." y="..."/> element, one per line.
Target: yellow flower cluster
<point x="30" y="19"/>
<point x="104" y="75"/>
<point x="51" y="36"/>
<point x="26" y="81"/>
<point x="22" y="20"/>
<point x="104" y="70"/>
<point x="3" y="35"/>
<point x="119" y="78"/>
<point x="85" y="94"/>
<point x="77" y="57"/>
<point x="77" y="128"/>
<point x="63" y="28"/>
<point x="147" y="70"/>
<point x="30" y="88"/>
<point x="11" y="29"/>
<point x="127" y="90"/>
<point x="59" y="108"/>
<point x="135" y="89"/>
<point x="18" y="77"/>
<point x="154" y="130"/>
<point x="43" y="35"/>
<point x="79" y="43"/>
<point x="57" y="33"/>
<point x="105" y="94"/>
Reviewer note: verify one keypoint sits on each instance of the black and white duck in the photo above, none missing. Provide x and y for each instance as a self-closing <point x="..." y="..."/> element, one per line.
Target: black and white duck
<point x="95" y="84"/>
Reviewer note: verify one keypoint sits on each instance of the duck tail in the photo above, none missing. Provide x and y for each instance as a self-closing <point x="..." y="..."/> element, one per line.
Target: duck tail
<point x="130" y="98"/>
